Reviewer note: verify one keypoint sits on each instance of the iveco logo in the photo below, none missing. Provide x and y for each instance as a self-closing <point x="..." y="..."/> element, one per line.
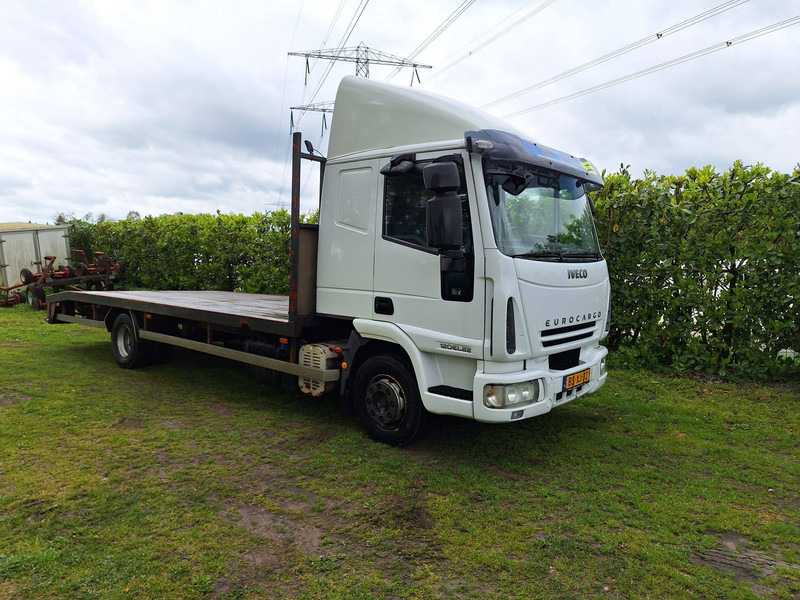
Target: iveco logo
<point x="577" y="274"/>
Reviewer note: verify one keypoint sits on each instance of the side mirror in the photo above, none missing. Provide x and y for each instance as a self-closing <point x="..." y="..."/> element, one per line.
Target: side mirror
<point x="516" y="183"/>
<point x="399" y="165"/>
<point x="441" y="177"/>
<point x="443" y="213"/>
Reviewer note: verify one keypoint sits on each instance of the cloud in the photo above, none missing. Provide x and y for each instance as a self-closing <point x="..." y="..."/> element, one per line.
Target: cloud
<point x="109" y="106"/>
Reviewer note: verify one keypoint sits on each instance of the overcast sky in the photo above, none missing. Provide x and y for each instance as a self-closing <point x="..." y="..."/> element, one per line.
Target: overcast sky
<point x="165" y="106"/>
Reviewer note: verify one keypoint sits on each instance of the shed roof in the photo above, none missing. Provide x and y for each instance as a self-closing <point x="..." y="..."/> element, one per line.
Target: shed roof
<point x="16" y="226"/>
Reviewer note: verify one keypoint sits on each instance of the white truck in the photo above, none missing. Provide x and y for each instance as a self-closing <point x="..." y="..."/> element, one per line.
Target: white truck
<point x="455" y="270"/>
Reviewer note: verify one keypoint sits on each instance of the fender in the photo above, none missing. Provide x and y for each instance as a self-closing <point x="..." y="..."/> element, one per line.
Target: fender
<point x="425" y="367"/>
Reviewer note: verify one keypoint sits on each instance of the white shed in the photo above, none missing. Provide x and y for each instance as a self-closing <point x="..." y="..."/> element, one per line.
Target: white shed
<point x="24" y="245"/>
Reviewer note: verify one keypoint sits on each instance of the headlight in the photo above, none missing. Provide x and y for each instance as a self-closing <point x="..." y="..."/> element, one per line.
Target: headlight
<point x="493" y="396"/>
<point x="501" y="396"/>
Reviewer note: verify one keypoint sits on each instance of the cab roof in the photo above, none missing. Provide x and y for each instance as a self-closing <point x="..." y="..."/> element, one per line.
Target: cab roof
<point x="370" y="115"/>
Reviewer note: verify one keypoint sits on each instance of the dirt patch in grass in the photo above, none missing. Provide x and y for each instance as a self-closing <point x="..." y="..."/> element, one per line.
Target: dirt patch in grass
<point x="169" y="465"/>
<point x="128" y="423"/>
<point x="745" y="564"/>
<point x="405" y="512"/>
<point x="264" y="568"/>
<point x="284" y="536"/>
<point x="12" y="398"/>
<point x="271" y="481"/>
<point x="8" y="590"/>
<point x="223" y="410"/>
<point x="286" y="531"/>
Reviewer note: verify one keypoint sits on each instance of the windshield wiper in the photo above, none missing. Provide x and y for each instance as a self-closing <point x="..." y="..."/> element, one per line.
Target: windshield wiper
<point x="542" y="255"/>
<point x="582" y="256"/>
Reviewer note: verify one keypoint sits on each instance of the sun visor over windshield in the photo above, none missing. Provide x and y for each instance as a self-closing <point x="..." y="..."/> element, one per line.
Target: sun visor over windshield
<point x="507" y="146"/>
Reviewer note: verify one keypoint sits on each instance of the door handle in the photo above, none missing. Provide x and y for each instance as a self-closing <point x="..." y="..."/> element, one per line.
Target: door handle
<point x="384" y="306"/>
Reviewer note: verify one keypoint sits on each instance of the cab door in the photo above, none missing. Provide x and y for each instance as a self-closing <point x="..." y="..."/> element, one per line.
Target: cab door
<point x="437" y="300"/>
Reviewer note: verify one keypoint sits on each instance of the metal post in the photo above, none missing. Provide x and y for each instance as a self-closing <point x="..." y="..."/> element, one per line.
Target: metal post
<point x="295" y="231"/>
<point x="5" y="280"/>
<point x="362" y="61"/>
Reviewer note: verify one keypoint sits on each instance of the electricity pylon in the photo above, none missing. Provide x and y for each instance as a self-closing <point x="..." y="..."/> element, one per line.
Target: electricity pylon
<point x="362" y="56"/>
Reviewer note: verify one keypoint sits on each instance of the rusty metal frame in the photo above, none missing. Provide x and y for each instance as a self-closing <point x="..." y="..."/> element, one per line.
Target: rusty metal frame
<point x="294" y="245"/>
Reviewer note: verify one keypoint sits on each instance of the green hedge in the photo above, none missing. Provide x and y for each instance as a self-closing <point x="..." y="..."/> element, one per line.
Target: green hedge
<point x="195" y="252"/>
<point x="704" y="268"/>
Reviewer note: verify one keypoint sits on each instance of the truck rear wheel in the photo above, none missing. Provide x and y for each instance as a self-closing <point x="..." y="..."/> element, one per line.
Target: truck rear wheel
<point x="129" y="351"/>
<point x="387" y="401"/>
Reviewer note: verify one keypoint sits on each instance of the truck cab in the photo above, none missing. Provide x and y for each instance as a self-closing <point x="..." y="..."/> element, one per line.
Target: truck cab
<point x="504" y="326"/>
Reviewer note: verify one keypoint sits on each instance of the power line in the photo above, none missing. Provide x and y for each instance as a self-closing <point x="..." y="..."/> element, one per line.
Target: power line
<point x="493" y="27"/>
<point x="712" y="12"/>
<point x="342" y="42"/>
<point x="460" y="10"/>
<point x="481" y="46"/>
<point x="665" y="65"/>
<point x="330" y="29"/>
<point x="283" y="96"/>
<point x="345" y="38"/>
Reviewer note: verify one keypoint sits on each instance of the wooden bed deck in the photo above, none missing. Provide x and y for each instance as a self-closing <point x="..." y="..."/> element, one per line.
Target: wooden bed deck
<point x="259" y="312"/>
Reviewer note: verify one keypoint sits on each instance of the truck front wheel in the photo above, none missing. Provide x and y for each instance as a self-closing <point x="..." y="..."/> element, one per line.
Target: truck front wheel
<point x="387" y="402"/>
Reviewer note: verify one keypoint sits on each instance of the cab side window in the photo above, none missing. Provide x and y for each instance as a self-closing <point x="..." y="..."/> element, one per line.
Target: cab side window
<point x="404" y="203"/>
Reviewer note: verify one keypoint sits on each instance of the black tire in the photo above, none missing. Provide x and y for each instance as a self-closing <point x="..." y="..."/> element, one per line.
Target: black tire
<point x="26" y="276"/>
<point x="129" y="351"/>
<point x="71" y="274"/>
<point x="36" y="298"/>
<point x="387" y="402"/>
<point x="80" y="269"/>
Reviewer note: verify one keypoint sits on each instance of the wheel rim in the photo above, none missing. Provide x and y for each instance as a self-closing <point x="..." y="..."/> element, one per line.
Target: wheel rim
<point x="124" y="342"/>
<point x="386" y="401"/>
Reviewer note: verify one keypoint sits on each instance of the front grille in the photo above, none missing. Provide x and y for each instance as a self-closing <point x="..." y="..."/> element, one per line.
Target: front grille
<point x="564" y="360"/>
<point x="566" y="335"/>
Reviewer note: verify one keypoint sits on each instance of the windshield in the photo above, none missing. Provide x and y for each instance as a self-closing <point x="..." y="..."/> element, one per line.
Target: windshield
<point x="540" y="214"/>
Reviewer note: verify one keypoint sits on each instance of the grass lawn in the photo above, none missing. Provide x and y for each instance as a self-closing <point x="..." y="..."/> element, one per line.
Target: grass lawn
<point x="191" y="480"/>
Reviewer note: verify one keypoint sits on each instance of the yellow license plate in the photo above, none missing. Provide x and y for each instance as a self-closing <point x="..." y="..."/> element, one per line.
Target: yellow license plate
<point x="576" y="379"/>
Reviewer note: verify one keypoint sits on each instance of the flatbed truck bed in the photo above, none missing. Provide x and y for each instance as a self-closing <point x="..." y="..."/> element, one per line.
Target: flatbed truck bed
<point x="251" y="328"/>
<point x="258" y="312"/>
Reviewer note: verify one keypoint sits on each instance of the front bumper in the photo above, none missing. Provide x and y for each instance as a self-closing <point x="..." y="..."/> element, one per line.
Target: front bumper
<point x="550" y="395"/>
